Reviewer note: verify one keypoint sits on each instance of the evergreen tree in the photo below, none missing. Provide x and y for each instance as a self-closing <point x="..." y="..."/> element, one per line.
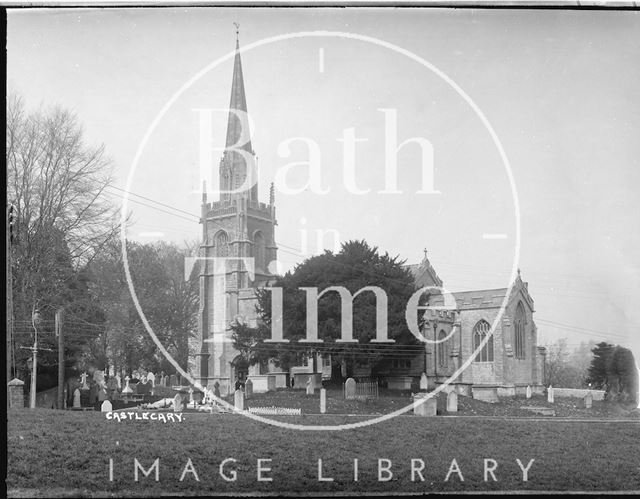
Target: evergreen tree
<point x="597" y="374"/>
<point x="356" y="266"/>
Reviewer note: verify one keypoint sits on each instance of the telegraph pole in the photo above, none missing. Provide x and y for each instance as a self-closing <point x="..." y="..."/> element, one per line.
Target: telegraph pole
<point x="60" y="334"/>
<point x="9" y="332"/>
<point x="35" y="320"/>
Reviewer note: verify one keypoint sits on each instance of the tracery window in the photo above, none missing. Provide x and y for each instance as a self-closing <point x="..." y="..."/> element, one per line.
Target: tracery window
<point x="222" y="244"/>
<point x="480" y="331"/>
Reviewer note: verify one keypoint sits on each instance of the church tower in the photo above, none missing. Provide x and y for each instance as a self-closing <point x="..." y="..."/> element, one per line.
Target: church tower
<point x="238" y="242"/>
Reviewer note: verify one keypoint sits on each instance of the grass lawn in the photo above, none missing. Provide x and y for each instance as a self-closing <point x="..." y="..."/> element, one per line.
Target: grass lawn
<point x="66" y="453"/>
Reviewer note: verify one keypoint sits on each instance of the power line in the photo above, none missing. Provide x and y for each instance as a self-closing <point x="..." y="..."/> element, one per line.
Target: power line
<point x="577" y="329"/>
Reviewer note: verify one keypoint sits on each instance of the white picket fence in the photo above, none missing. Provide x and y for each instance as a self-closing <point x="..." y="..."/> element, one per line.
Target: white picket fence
<point x="275" y="411"/>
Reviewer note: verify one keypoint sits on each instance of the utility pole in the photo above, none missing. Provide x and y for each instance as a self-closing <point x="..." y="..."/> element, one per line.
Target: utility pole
<point x="60" y="334"/>
<point x="9" y="332"/>
<point x="35" y="320"/>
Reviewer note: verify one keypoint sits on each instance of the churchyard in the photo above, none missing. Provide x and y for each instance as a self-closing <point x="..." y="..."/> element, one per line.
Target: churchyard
<point x="193" y="446"/>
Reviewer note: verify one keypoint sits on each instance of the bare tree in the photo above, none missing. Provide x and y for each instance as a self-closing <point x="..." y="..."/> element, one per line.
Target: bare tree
<point x="57" y="184"/>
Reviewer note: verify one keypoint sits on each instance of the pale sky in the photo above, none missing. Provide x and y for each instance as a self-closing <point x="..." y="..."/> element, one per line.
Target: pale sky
<point x="560" y="89"/>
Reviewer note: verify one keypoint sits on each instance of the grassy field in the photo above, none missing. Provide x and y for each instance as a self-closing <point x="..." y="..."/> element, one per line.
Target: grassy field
<point x="68" y="453"/>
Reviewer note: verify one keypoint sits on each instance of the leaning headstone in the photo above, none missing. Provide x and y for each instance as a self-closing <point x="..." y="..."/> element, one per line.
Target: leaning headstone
<point x="588" y="401"/>
<point x="216" y="389"/>
<point x="323" y="400"/>
<point x="424" y="382"/>
<point x="238" y="400"/>
<point x="310" y="387"/>
<point x="452" y="402"/>
<point x="528" y="392"/>
<point x="106" y="406"/>
<point x="350" y="389"/>
<point x="550" y="394"/>
<point x="177" y="403"/>
<point x="76" y="399"/>
<point x="248" y="389"/>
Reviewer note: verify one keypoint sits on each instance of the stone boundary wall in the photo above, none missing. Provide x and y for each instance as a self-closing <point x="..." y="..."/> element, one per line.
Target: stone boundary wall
<point x="578" y="393"/>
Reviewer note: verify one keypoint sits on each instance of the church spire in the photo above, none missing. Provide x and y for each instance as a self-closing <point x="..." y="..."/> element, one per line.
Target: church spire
<point x="235" y="166"/>
<point x="237" y="125"/>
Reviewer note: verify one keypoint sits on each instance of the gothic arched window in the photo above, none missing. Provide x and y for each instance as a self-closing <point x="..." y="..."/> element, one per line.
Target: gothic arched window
<point x="519" y="336"/>
<point x="480" y="331"/>
<point x="222" y="244"/>
<point x="259" y="250"/>
<point x="443" y="350"/>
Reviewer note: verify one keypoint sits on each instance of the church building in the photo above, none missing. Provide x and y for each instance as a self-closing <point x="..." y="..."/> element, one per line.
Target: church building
<point x="238" y="226"/>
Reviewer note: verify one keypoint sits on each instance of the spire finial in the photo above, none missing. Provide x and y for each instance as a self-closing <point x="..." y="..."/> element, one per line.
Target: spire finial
<point x="425" y="253"/>
<point x="518" y="272"/>
<point x="237" y="25"/>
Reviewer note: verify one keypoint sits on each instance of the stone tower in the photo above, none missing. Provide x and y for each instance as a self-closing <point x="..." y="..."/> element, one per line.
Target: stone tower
<point x="237" y="242"/>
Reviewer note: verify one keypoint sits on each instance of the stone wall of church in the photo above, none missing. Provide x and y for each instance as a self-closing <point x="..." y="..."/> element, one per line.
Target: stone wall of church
<point x="485" y="373"/>
<point x="522" y="371"/>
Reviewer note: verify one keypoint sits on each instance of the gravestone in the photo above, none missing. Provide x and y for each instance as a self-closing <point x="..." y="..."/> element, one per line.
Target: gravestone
<point x="173" y="380"/>
<point x="16" y="392"/>
<point x="191" y="401"/>
<point x="119" y="381"/>
<point x="310" y="387"/>
<point x="127" y="389"/>
<point x="323" y="400"/>
<point x="588" y="401"/>
<point x="102" y="394"/>
<point x="238" y="400"/>
<point x="177" y="403"/>
<point x="528" y="392"/>
<point x="84" y="381"/>
<point x="112" y="387"/>
<point x="452" y="402"/>
<point x="93" y="393"/>
<point x="98" y="377"/>
<point x="216" y="389"/>
<point x="424" y="382"/>
<point x="106" y="406"/>
<point x="350" y="389"/>
<point x="248" y="389"/>
<point x="427" y="408"/>
<point x="76" y="399"/>
<point x="208" y="396"/>
<point x="550" y="394"/>
<point x="151" y="378"/>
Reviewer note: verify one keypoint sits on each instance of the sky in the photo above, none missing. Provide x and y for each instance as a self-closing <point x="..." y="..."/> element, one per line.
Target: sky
<point x="557" y="88"/>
